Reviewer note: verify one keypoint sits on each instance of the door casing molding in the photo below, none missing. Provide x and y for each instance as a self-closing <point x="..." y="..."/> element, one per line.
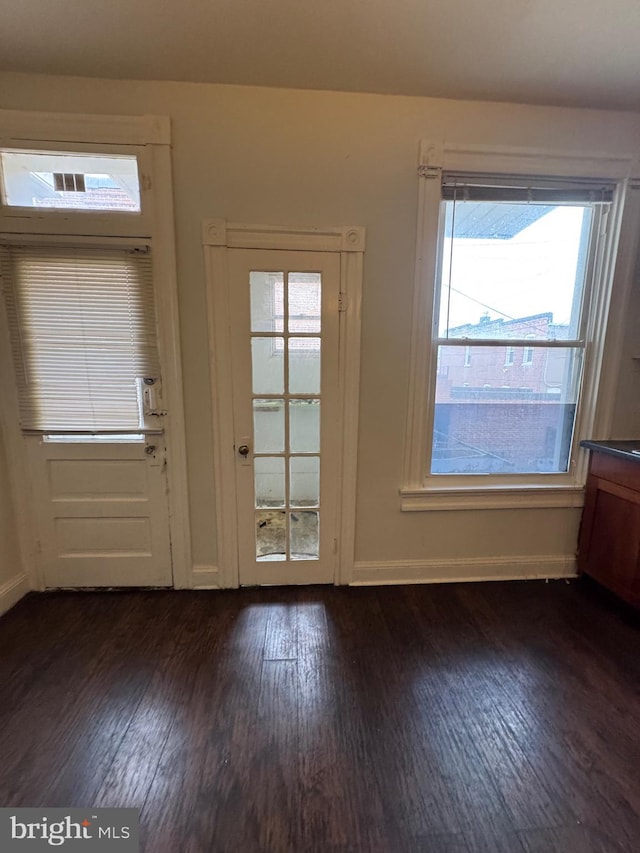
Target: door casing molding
<point x="218" y="236"/>
<point x="150" y="137"/>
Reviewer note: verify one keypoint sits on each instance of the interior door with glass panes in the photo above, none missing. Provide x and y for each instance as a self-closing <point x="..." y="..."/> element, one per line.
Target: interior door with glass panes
<point x="284" y="329"/>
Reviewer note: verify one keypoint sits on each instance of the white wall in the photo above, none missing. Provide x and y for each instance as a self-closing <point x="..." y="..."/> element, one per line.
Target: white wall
<point x="13" y="583"/>
<point x="302" y="157"/>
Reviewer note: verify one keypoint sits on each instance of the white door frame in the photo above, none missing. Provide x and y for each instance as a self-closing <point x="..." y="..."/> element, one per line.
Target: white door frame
<point x="20" y="130"/>
<point x="218" y="236"/>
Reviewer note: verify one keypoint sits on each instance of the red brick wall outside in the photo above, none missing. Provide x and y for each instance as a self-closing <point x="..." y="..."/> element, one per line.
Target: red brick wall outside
<point x="488" y="365"/>
<point x="501" y="437"/>
<point x="496" y="414"/>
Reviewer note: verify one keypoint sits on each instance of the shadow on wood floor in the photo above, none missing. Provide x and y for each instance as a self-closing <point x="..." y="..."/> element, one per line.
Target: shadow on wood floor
<point x="479" y="717"/>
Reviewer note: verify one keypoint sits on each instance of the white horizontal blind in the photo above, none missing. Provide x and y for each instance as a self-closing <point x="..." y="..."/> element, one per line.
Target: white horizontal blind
<point x="83" y="331"/>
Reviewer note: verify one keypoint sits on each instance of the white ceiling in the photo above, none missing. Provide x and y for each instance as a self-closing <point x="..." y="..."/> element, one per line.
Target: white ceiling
<point x="570" y="52"/>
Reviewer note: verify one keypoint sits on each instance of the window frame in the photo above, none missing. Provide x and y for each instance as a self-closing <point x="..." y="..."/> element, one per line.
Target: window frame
<point x="76" y="213"/>
<point x="71" y="221"/>
<point x="613" y="265"/>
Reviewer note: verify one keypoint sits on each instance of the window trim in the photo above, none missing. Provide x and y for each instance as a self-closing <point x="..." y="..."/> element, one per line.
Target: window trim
<point x="613" y="277"/>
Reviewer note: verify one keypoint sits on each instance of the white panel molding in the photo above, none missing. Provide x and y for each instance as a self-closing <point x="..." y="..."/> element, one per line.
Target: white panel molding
<point x="236" y="235"/>
<point x="205" y="577"/>
<point x="12" y="591"/>
<point x="22" y="126"/>
<point x="450" y="570"/>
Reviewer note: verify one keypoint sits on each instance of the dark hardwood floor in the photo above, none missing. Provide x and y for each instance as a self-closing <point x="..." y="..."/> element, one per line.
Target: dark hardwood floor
<point x="479" y="717"/>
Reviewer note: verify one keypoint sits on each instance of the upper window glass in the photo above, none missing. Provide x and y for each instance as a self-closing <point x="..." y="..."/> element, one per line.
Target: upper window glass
<point x="70" y="181"/>
<point x="504" y="264"/>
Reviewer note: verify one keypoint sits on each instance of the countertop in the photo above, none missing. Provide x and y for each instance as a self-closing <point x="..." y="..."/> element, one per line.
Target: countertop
<point x="625" y="449"/>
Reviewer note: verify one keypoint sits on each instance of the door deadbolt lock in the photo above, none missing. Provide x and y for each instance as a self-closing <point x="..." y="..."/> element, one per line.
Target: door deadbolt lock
<point x="243" y="450"/>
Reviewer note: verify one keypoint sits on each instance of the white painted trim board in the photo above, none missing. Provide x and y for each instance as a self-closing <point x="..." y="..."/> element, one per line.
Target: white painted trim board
<point x="12" y="591"/>
<point x="450" y="570"/>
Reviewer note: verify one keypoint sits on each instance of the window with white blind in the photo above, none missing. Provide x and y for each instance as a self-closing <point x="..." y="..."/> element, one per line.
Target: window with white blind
<point x="83" y="335"/>
<point x="515" y="273"/>
<point x="523" y="261"/>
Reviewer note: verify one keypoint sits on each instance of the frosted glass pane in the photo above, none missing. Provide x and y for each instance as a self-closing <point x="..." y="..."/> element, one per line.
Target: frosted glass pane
<point x="305" y="542"/>
<point x="304" y="301"/>
<point x="269" y="481"/>
<point x="267" y="301"/>
<point x="304" y="481"/>
<point x="271" y="535"/>
<point x="304" y="426"/>
<point x="304" y="365"/>
<point x="267" y="363"/>
<point x="268" y="426"/>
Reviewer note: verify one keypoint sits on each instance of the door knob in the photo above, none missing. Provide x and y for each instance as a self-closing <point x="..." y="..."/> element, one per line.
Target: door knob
<point x="243" y="450"/>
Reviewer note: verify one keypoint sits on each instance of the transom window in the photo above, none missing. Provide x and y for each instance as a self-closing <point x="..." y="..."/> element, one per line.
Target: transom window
<point x="59" y="180"/>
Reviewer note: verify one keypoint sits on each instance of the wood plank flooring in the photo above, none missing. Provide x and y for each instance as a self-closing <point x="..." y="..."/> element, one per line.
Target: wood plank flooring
<point x="479" y="717"/>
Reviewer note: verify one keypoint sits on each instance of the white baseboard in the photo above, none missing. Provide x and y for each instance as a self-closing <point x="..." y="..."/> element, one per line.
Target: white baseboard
<point x="434" y="571"/>
<point x="465" y="569"/>
<point x="12" y="591"/>
<point x="205" y="577"/>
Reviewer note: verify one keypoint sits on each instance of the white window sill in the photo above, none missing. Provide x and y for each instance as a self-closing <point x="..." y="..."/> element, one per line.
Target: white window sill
<point x="490" y="497"/>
